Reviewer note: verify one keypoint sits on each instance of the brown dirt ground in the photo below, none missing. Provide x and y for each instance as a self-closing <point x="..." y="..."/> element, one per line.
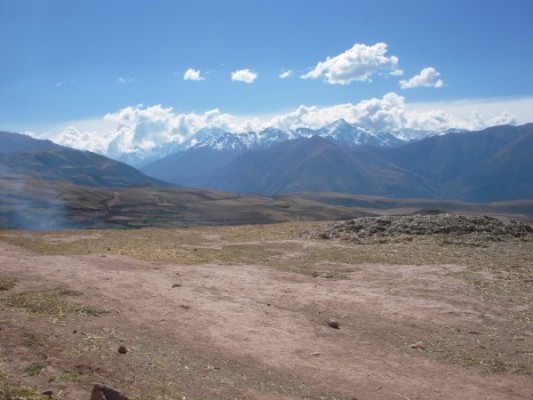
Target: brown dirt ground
<point x="235" y="326"/>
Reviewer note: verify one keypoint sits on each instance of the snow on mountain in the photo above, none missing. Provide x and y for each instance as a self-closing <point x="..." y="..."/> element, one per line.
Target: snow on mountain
<point x="411" y="135"/>
<point x="143" y="157"/>
<point x="270" y="136"/>
<point x="343" y="132"/>
<point x="217" y="139"/>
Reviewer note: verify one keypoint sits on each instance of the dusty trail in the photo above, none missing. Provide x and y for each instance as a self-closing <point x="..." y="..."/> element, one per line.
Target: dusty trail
<point x="249" y="331"/>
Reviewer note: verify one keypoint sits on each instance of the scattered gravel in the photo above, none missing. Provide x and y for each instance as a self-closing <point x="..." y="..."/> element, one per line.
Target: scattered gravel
<point x="466" y="228"/>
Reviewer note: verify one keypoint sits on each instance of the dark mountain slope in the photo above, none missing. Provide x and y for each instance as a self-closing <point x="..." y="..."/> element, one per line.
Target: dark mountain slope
<point x="186" y="167"/>
<point x="491" y="165"/>
<point x="445" y="158"/>
<point x="506" y="175"/>
<point x="15" y="142"/>
<point x="314" y="164"/>
<point x="38" y="159"/>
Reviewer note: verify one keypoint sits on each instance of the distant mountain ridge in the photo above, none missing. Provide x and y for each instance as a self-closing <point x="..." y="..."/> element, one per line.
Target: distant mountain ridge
<point x="490" y="165"/>
<point x="217" y="139"/>
<point x="210" y="149"/>
<point x="316" y="165"/>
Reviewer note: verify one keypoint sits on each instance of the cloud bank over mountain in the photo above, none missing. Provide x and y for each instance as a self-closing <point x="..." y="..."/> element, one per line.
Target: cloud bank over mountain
<point x="142" y="128"/>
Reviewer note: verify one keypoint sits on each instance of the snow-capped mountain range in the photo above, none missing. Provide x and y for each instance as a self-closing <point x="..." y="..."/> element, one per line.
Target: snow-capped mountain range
<point x="217" y="139"/>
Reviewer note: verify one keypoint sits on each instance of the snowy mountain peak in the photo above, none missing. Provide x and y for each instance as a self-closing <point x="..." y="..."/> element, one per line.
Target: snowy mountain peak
<point x="339" y="124"/>
<point x="217" y="139"/>
<point x="339" y="131"/>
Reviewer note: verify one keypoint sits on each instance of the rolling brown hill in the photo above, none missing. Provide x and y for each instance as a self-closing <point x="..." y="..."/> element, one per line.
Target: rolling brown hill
<point x="44" y="205"/>
<point x="23" y="158"/>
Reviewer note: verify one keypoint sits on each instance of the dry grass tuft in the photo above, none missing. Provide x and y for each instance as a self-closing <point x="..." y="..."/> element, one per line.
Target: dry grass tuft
<point x="67" y="376"/>
<point x="20" y="392"/>
<point x="7" y="282"/>
<point x="34" y="369"/>
<point x="50" y="303"/>
<point x="47" y="303"/>
<point x="486" y="364"/>
<point x="12" y="391"/>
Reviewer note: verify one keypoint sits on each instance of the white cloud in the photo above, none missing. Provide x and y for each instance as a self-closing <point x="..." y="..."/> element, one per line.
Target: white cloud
<point x="386" y="114"/>
<point x="64" y="82"/>
<point x="503" y="119"/>
<point x="398" y="72"/>
<point x="193" y="75"/>
<point x="124" y="80"/>
<point x="140" y="128"/>
<point x="143" y="128"/>
<point x="243" y="75"/>
<point x="518" y="109"/>
<point x="285" y="74"/>
<point x="356" y="64"/>
<point x="392" y="113"/>
<point x="428" y="77"/>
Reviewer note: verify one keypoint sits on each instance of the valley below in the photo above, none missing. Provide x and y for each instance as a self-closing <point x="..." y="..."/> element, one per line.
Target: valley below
<point x="264" y="311"/>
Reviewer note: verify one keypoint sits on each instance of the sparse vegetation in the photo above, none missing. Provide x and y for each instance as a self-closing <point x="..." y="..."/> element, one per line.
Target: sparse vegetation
<point x="498" y="273"/>
<point x="92" y="311"/>
<point x="47" y="303"/>
<point x="13" y="391"/>
<point x="50" y="303"/>
<point x="63" y="290"/>
<point x="469" y="360"/>
<point x="31" y="339"/>
<point x="7" y="282"/>
<point x="34" y="369"/>
<point x="66" y="376"/>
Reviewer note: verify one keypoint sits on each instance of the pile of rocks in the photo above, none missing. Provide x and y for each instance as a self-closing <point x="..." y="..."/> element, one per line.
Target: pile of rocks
<point x="367" y="229"/>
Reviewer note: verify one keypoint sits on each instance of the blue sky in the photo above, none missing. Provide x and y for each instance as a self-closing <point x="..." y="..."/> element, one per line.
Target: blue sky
<point x="63" y="61"/>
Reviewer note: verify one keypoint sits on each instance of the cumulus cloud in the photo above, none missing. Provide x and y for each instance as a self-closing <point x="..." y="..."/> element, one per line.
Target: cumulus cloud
<point x="285" y="74"/>
<point x="243" y="75"/>
<point x="141" y="129"/>
<point x="83" y="139"/>
<point x="391" y="113"/>
<point x="428" y="77"/>
<point x="356" y="64"/>
<point x="193" y="75"/>
<point x="385" y="114"/>
<point x="503" y="119"/>
<point x="144" y="128"/>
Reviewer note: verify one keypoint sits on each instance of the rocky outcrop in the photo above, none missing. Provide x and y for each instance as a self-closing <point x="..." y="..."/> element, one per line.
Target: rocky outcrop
<point x="102" y="392"/>
<point x="465" y="227"/>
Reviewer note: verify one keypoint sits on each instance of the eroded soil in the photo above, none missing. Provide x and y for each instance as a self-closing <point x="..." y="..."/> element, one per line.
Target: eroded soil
<point x="242" y="313"/>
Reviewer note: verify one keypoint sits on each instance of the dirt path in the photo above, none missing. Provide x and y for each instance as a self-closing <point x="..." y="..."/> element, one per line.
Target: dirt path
<point x="236" y="332"/>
